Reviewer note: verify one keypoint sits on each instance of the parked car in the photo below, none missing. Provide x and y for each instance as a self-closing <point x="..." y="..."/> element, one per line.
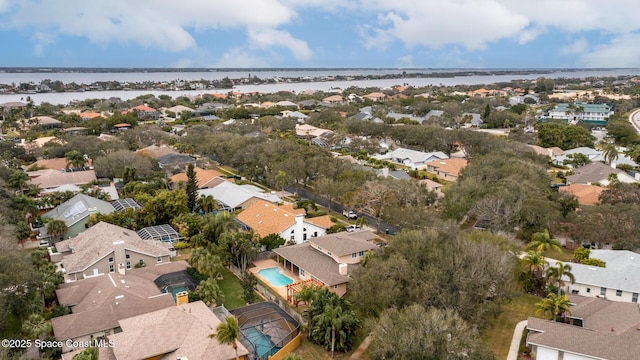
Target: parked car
<point x="350" y="214"/>
<point x="352" y="228"/>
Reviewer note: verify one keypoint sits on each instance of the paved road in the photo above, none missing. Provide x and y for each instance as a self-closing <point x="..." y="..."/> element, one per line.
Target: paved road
<point x="634" y="119"/>
<point x="373" y="221"/>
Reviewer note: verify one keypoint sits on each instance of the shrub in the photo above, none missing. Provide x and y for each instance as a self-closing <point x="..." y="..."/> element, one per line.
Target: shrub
<point x="181" y="245"/>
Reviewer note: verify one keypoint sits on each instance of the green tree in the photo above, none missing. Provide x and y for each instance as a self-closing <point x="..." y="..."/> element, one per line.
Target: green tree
<point x="542" y="241"/>
<point x="228" y="333"/>
<point x="18" y="180"/>
<point x="272" y="241"/>
<point x="282" y="180"/>
<point x="56" y="228"/>
<point x="429" y="334"/>
<point x="36" y="326"/>
<point x="207" y="203"/>
<point x="554" y="275"/>
<point x="563" y="136"/>
<point x="210" y="292"/>
<point x="554" y="305"/>
<point x="75" y="159"/>
<point x="533" y="265"/>
<point x="576" y="160"/>
<point x="249" y="282"/>
<point x="333" y="322"/>
<point x="90" y="353"/>
<point x="610" y="153"/>
<point x="191" y="188"/>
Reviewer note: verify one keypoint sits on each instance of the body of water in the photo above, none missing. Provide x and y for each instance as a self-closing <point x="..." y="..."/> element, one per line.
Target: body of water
<point x="275" y="276"/>
<point x="88" y="78"/>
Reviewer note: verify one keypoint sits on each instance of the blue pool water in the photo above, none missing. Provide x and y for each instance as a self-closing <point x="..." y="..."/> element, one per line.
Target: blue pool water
<point x="275" y="277"/>
<point x="262" y="343"/>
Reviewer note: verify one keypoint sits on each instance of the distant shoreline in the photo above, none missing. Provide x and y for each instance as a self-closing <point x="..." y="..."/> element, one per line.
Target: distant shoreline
<point x="413" y="70"/>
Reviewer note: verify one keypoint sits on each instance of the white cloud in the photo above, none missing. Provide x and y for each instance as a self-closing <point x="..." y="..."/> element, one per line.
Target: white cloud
<point x="577" y="47"/>
<point x="621" y="52"/>
<point x="406" y="61"/>
<point x="268" y="38"/>
<point x="42" y="39"/>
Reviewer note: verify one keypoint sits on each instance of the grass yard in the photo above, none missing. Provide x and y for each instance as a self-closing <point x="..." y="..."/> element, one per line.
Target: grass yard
<point x="498" y="336"/>
<point x="232" y="290"/>
<point x="564" y="256"/>
<point x="310" y="351"/>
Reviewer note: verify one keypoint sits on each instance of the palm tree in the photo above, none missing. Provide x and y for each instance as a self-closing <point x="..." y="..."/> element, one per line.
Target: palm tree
<point x="36" y="325"/>
<point x="228" y="333"/>
<point x="75" y="159"/>
<point x="207" y="203"/>
<point x="339" y="319"/>
<point x="542" y="241"/>
<point x="554" y="274"/>
<point x="56" y="228"/>
<point x="533" y="265"/>
<point x="554" y="305"/>
<point x="18" y="180"/>
<point x="610" y="153"/>
<point x="205" y="261"/>
<point x="209" y="292"/>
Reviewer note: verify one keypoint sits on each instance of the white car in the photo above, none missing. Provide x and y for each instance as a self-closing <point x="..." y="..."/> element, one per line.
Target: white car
<point x="352" y="228"/>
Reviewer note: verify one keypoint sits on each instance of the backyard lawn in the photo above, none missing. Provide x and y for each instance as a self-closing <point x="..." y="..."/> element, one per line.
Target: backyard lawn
<point x="310" y="351"/>
<point x="498" y="336"/>
<point x="232" y="290"/>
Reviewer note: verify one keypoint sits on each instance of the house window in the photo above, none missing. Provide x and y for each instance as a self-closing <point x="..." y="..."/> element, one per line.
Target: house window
<point x="302" y="273"/>
<point x="634" y="298"/>
<point x="111" y="268"/>
<point x="603" y="291"/>
<point x="353" y="255"/>
<point x="128" y="256"/>
<point x="110" y="259"/>
<point x="588" y="290"/>
<point x="128" y="265"/>
<point x="361" y="253"/>
<point x="304" y="236"/>
<point x="293" y="237"/>
<point x="618" y="292"/>
<point x="159" y="259"/>
<point x="335" y="286"/>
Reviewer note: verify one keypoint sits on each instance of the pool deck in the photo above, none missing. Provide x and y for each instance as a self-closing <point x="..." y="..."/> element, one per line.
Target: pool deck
<point x="270" y="263"/>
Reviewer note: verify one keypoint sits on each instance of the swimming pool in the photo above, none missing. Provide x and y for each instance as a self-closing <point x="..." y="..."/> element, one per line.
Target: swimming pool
<point x="275" y="276"/>
<point x="262" y="344"/>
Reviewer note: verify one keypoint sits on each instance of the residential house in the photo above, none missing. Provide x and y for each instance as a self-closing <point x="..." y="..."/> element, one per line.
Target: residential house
<point x="99" y="303"/>
<point x="333" y="99"/>
<point x="329" y="259"/>
<point x="75" y="213"/>
<point x="598" y="173"/>
<point x="146" y="112"/>
<point x="164" y="233"/>
<point x="46" y="122"/>
<point x="232" y="197"/>
<point x="176" y="332"/>
<point x="376" y="96"/>
<point x="591" y="154"/>
<point x="300" y="117"/>
<point x="619" y="280"/>
<point x="106" y="249"/>
<point x="88" y="115"/>
<point x="472" y="119"/>
<point x="595" y="329"/>
<point x="411" y="158"/>
<point x="179" y="109"/>
<point x="266" y="218"/>
<point x="433" y="113"/>
<point x="286" y="103"/>
<point x="397" y="116"/>
<point x="595" y="114"/>
<point x="76" y="130"/>
<point x="585" y="194"/>
<point x="447" y="169"/>
<point x="55" y="164"/>
<point x="551" y="152"/>
<point x="305" y="131"/>
<point x="206" y="178"/>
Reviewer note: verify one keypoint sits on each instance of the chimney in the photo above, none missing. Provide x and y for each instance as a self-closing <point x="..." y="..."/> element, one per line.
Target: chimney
<point x="385" y="172"/>
<point x="342" y="269"/>
<point x="182" y="298"/>
<point x="299" y="229"/>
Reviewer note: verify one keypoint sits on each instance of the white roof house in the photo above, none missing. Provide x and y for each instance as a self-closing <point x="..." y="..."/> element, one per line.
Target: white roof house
<point x="412" y="158"/>
<point x="619" y="280"/>
<point x="232" y="196"/>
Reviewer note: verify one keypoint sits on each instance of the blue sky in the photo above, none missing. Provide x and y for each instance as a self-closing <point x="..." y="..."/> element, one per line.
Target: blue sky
<point x="320" y="33"/>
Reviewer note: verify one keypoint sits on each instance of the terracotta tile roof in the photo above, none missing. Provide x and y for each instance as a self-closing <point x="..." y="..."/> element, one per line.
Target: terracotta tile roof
<point x="97" y="242"/>
<point x="203" y="176"/>
<point x="184" y="332"/>
<point x="157" y="152"/>
<point x="55" y="164"/>
<point x="89" y="115"/>
<point x="321" y="221"/>
<point x="333" y="99"/>
<point x="451" y="166"/>
<point x="266" y="218"/>
<point x="586" y="194"/>
<point x="144" y="108"/>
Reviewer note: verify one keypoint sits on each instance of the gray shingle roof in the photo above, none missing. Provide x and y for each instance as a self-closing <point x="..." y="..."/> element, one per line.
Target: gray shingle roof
<point x="622" y="271"/>
<point x="78" y="208"/>
<point x="341" y="244"/>
<point x="323" y="267"/>
<point x="232" y="195"/>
